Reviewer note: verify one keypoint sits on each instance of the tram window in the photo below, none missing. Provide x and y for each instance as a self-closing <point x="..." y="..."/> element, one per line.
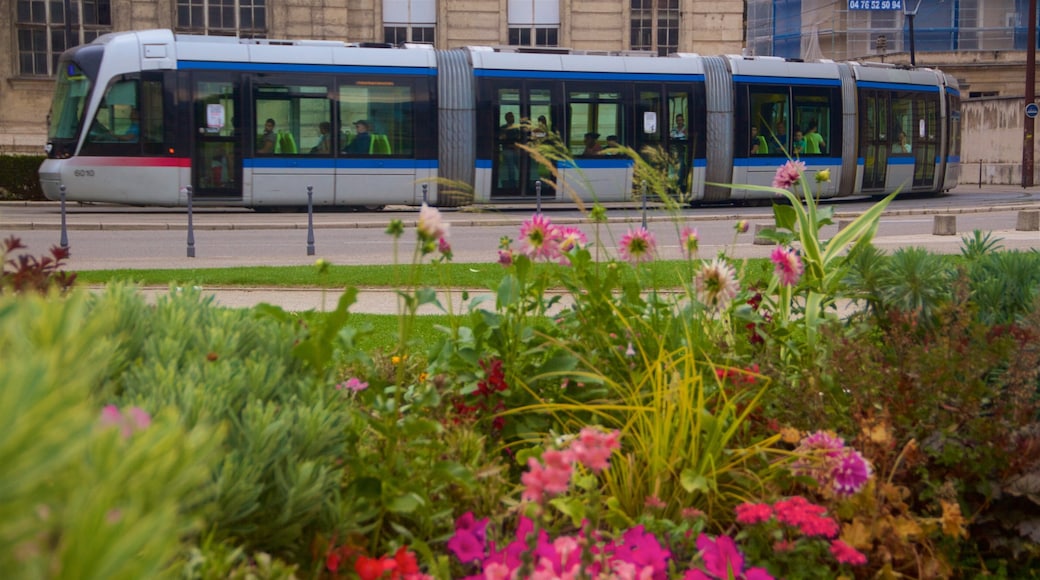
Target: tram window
<point x="593" y="116"/>
<point x="771" y="113"/>
<point x="377" y="120"/>
<point x="649" y="102"/>
<point x="289" y="117"/>
<point x="814" y="120"/>
<point x="903" y="115"/>
<point x="116" y="128"/>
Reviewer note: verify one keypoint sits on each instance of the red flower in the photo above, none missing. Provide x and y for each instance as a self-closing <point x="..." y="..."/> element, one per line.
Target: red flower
<point x="405" y="563"/>
<point x="373" y="568"/>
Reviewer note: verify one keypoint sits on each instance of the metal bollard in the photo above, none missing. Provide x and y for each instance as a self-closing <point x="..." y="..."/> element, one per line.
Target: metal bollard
<point x="538" y="196"/>
<point x="643" y="191"/>
<point x="310" y="220"/>
<point x="191" y="228"/>
<point x="64" y="233"/>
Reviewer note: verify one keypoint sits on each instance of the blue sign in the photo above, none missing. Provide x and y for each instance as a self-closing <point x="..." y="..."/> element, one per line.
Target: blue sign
<point x="875" y="4"/>
<point x="1032" y="110"/>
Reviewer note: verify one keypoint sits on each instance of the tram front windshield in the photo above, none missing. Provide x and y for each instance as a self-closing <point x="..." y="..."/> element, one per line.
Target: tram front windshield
<point x="70" y="100"/>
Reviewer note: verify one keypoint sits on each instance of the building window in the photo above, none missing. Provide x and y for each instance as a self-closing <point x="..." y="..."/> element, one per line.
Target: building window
<point x="655" y="26"/>
<point x="244" y="18"/>
<point x="409" y="21"/>
<point x="41" y="30"/>
<point x="401" y="34"/>
<point x="534" y="22"/>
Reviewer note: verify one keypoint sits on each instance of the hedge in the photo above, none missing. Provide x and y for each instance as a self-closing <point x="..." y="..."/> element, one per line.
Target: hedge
<point x="19" y="178"/>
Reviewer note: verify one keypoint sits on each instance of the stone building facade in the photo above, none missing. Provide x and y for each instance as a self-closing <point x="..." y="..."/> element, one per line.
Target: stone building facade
<point x="978" y="41"/>
<point x="33" y="31"/>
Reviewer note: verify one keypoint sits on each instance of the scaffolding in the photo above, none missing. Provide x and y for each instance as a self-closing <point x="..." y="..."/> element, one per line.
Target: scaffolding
<point x="811" y="29"/>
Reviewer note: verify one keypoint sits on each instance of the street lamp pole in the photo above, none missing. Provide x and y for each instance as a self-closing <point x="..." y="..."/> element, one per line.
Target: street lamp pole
<point x="1029" y="125"/>
<point x="910" y="14"/>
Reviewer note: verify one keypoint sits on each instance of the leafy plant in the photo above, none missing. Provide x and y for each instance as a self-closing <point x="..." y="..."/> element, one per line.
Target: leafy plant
<point x="27" y="273"/>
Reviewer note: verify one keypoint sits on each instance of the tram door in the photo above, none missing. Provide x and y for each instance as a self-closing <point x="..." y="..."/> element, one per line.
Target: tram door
<point x="874" y="140"/>
<point x="524" y="117"/>
<point x="217" y="159"/>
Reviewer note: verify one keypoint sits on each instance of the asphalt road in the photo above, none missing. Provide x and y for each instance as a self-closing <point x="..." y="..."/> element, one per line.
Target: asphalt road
<point x="110" y="237"/>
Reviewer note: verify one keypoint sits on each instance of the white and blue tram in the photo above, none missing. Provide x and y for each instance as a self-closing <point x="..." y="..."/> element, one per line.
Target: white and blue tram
<point x="138" y="117"/>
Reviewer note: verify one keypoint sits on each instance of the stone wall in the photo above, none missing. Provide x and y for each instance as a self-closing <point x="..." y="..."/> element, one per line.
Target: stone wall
<point x="992" y="143"/>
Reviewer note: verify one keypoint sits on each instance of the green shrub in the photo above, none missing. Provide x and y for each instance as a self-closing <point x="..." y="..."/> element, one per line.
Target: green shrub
<point x="277" y="484"/>
<point x="19" y="177"/>
<point x="80" y="498"/>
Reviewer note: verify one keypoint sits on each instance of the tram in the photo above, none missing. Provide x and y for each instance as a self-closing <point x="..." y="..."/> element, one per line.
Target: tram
<point x="151" y="117"/>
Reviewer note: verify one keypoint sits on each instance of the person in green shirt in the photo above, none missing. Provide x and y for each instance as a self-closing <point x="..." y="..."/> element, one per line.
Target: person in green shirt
<point x="813" y="140"/>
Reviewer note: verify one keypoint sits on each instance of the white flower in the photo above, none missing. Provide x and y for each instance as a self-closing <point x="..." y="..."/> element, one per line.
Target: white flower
<point x="716" y="284"/>
<point x="431" y="226"/>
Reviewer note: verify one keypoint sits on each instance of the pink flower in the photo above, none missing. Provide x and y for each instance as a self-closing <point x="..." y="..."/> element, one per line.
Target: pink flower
<point x="431" y="225"/>
<point x="593" y="447"/>
<point x="846" y="554"/>
<point x="133" y="419"/>
<point x="822" y="440"/>
<point x="689" y="241"/>
<point x="571" y="238"/>
<point x="505" y="257"/>
<point x="638" y="245"/>
<point x="753" y="513"/>
<point x="788" y="264"/>
<point x="851" y="473"/>
<point x="788" y="174"/>
<point x="539" y="238"/>
<point x="654" y="502"/>
<point x="352" y="384"/>
<point x="553" y="477"/>
<point x="807" y="517"/>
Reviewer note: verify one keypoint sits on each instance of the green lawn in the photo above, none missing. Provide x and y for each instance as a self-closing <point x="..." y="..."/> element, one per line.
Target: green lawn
<point x="477" y="275"/>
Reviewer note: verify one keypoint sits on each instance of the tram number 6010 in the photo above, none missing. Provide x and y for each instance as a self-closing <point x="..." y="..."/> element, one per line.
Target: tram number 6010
<point x="83" y="173"/>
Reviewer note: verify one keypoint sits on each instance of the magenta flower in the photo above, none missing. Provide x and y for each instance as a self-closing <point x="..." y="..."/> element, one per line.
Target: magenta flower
<point x="642" y="549"/>
<point x="689" y="241"/>
<point x="846" y="554"/>
<point x="505" y="257"/>
<point x="638" y="245"/>
<point x="788" y="265"/>
<point x="444" y="247"/>
<point x="788" y="174"/>
<point x="466" y="546"/>
<point x="539" y="238"/>
<point x="851" y="473"/>
<point x="724" y="561"/>
<point x="826" y="459"/>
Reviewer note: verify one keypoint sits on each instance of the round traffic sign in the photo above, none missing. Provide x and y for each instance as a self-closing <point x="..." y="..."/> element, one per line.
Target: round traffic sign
<point x="1032" y="110"/>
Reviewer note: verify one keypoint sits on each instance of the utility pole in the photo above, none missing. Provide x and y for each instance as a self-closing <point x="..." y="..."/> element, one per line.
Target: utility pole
<point x="1030" y="100"/>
